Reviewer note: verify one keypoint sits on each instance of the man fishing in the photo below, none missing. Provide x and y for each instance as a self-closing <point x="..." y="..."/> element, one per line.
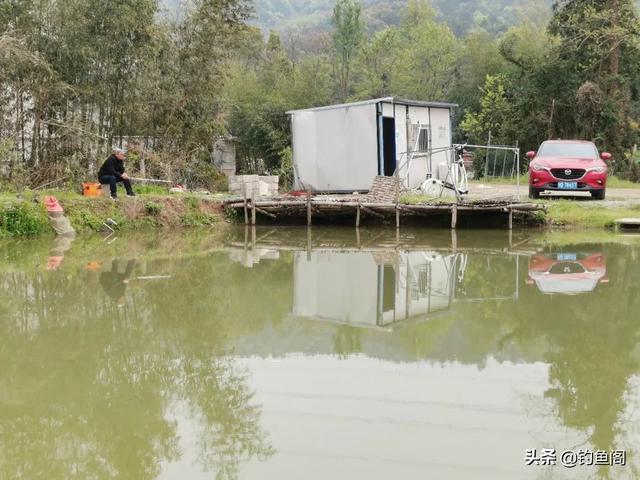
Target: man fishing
<point x="112" y="171"/>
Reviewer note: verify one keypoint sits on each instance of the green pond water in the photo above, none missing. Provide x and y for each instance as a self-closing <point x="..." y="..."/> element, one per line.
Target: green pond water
<point x="319" y="354"/>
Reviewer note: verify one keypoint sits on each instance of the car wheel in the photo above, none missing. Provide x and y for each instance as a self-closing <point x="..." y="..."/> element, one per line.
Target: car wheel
<point x="598" y="194"/>
<point x="534" y="192"/>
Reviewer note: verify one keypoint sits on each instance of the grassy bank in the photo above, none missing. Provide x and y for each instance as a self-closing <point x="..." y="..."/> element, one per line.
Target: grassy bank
<point x="569" y="213"/>
<point x="24" y="214"/>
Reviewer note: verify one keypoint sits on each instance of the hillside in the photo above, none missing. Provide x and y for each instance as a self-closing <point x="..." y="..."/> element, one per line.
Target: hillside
<point x="491" y="15"/>
<point x="462" y="16"/>
<point x="494" y="15"/>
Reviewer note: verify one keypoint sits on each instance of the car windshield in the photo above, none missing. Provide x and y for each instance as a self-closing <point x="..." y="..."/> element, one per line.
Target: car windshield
<point x="573" y="150"/>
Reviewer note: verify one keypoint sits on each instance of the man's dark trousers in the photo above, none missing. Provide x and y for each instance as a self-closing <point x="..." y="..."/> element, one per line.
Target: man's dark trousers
<point x="112" y="180"/>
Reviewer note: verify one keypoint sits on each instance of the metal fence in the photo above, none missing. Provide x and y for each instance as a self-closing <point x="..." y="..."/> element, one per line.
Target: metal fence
<point x="493" y="161"/>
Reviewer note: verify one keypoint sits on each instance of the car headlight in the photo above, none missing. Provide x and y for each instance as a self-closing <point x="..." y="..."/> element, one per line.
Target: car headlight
<point x="597" y="169"/>
<point x="537" y="167"/>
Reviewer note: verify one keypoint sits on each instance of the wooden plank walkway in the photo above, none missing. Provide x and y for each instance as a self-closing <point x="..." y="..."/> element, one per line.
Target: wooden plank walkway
<point x="331" y="208"/>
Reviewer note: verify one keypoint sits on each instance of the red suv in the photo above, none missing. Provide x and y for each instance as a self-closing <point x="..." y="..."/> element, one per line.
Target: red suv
<point x="568" y="165"/>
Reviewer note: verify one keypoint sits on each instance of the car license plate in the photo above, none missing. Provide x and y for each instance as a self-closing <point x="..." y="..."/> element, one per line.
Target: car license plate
<point x="567" y="185"/>
<point x="567" y="257"/>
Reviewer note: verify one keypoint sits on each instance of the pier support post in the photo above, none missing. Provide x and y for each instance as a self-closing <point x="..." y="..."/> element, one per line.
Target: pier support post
<point x="246" y="212"/>
<point x="510" y="219"/>
<point x="253" y="211"/>
<point x="397" y="182"/>
<point x="454" y="216"/>
<point x="246" y="241"/>
<point x="358" y="215"/>
<point x="308" y="208"/>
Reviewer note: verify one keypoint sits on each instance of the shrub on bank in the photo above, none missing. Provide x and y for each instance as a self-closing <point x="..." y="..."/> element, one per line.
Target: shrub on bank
<point x="198" y="219"/>
<point x="152" y="208"/>
<point x="23" y="219"/>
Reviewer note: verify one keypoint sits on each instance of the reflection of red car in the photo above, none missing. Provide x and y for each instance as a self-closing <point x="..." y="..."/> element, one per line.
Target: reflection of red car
<point x="567" y="273"/>
<point x="568" y="165"/>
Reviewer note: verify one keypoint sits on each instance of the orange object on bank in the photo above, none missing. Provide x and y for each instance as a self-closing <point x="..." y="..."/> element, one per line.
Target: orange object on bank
<point x="91" y="189"/>
<point x="52" y="205"/>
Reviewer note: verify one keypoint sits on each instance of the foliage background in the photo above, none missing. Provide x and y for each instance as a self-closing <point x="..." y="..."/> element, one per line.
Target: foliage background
<point x="78" y="77"/>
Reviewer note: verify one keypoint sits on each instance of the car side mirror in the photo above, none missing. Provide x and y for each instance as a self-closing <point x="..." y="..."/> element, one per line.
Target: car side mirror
<point x="606" y="156"/>
<point x="531" y="155"/>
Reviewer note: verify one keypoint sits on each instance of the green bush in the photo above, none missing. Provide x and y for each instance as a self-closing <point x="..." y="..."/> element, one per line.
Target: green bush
<point x="232" y="215"/>
<point x="84" y="219"/>
<point x="152" y="208"/>
<point x="634" y="172"/>
<point x="200" y="173"/>
<point x="23" y="218"/>
<point x="220" y="182"/>
<point x="191" y="202"/>
<point x="285" y="172"/>
<point x="197" y="219"/>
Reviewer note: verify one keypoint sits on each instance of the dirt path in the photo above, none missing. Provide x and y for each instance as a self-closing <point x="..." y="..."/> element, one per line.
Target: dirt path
<point x="615" y="196"/>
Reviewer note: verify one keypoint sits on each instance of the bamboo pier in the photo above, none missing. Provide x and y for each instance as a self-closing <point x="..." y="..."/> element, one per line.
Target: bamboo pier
<point x="332" y="209"/>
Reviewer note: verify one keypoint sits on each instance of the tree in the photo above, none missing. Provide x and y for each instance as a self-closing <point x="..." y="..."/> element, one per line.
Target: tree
<point x="347" y="37"/>
<point x="378" y="64"/>
<point x="263" y="84"/>
<point x="480" y="56"/>
<point x="428" y="55"/>
<point x="208" y="38"/>
<point x="599" y="42"/>
<point x="495" y="116"/>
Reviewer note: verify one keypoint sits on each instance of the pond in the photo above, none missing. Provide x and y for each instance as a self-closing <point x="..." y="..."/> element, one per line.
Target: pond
<point x="324" y="353"/>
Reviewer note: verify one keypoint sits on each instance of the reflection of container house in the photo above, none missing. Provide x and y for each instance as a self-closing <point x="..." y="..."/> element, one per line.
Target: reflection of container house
<point x="249" y="258"/>
<point x="343" y="147"/>
<point x="355" y="288"/>
<point x="224" y="155"/>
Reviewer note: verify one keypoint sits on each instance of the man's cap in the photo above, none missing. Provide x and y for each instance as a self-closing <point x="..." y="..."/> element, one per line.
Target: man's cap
<point x="118" y="150"/>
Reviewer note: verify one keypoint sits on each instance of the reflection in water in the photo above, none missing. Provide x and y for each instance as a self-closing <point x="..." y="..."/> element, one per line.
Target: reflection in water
<point x="60" y="246"/>
<point x="242" y="357"/>
<point x="568" y="272"/>
<point x="114" y="282"/>
<point x="372" y="288"/>
<point x="383" y="288"/>
<point x="93" y="392"/>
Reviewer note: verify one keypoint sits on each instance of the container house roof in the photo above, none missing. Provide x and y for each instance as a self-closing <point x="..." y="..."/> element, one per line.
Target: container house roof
<point x="395" y="100"/>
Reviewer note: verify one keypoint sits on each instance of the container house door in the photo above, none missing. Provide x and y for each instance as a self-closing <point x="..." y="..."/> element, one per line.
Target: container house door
<point x="388" y="146"/>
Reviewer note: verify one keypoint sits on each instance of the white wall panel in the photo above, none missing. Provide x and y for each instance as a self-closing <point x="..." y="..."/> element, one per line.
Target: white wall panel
<point x="387" y="109"/>
<point x="336" y="149"/>
<point x="441" y="131"/>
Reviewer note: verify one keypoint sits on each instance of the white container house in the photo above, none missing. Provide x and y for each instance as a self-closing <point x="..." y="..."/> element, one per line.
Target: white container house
<point x="341" y="148"/>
